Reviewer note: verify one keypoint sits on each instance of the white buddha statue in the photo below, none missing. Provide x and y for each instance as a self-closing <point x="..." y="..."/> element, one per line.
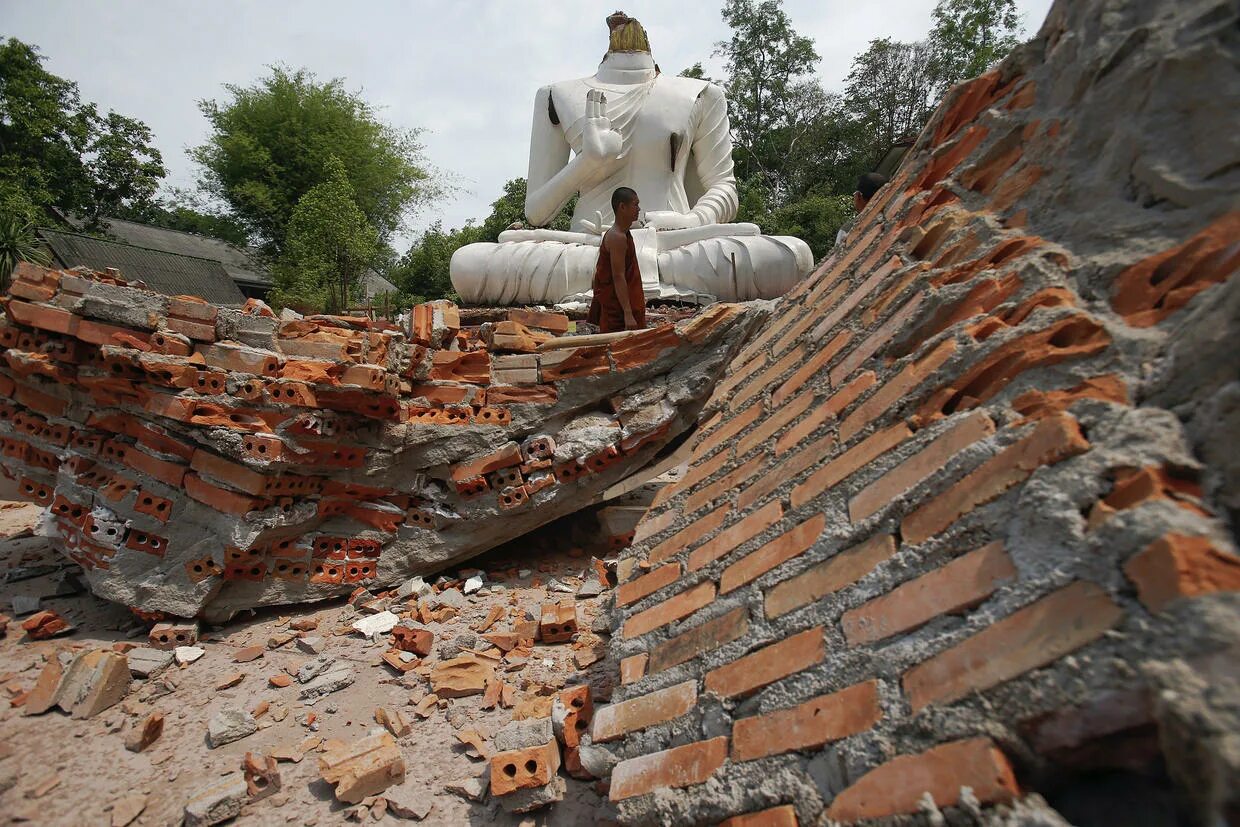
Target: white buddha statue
<point x="668" y="139"/>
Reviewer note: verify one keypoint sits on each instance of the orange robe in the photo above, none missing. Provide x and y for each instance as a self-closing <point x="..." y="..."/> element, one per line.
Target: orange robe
<point x="605" y="310"/>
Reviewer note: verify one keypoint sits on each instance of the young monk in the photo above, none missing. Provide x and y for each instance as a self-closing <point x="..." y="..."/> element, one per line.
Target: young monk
<point x="618" y="300"/>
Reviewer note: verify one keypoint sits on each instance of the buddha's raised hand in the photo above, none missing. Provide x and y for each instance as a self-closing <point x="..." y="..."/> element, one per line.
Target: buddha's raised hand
<point x="600" y="144"/>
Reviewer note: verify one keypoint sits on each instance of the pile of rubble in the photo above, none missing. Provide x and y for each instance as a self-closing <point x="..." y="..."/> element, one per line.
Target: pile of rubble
<point x="499" y="668"/>
<point x="197" y="460"/>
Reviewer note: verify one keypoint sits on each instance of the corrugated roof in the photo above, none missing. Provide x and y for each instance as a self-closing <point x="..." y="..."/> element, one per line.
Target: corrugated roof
<point x="168" y="273"/>
<point x="240" y="264"/>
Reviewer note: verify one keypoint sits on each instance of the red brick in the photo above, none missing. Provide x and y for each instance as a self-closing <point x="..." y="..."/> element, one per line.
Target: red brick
<point x="781" y="549"/>
<point x="1053" y="439"/>
<point x="742" y="369"/>
<point x="43" y="317"/>
<point x="816" y="722"/>
<point x="876" y="340"/>
<point x="670" y="610"/>
<point x="555" y="322"/>
<point x="456" y="366"/>
<point x="845" y="307"/>
<point x="775" y="423"/>
<point x="772" y="373"/>
<point x="644" y="347"/>
<point x="505" y="457"/>
<point x="633" y="668"/>
<point x="681" y="766"/>
<point x="647" y="584"/>
<point x="735" y="535"/>
<point x="700" y="639"/>
<point x="827" y="411"/>
<point x="808" y="316"/>
<point x="221" y="499"/>
<point x="1060" y="623"/>
<point x="169" y="473"/>
<point x="785" y="815"/>
<point x="961" y="584"/>
<point x="725" y="484"/>
<point x="844" y="569"/>
<point x="555" y="365"/>
<point x="619" y="719"/>
<point x="714" y="317"/>
<point x="702" y="470"/>
<point x="649" y="525"/>
<point x="230" y="473"/>
<point x="521" y="769"/>
<point x="920" y="465"/>
<point x="729" y="429"/>
<point x="1178" y="566"/>
<point x="896" y="390"/>
<point x="811" y="367"/>
<point x="689" y="535"/>
<point x="846" y="464"/>
<point x="901" y="784"/>
<point x="780" y="473"/>
<point x="768" y="664"/>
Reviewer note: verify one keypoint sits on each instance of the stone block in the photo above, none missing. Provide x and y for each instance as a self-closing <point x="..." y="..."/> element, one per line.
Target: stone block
<point x="216" y="802"/>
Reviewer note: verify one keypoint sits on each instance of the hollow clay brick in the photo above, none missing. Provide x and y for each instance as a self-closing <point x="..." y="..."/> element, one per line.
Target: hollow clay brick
<point x="961" y="584"/>
<point x="1052" y="440"/>
<point x="779" y="550"/>
<point x="831" y="575"/>
<point x="814" y="723"/>
<point x="937" y="453"/>
<point x="523" y="769"/>
<point x="901" y="784"/>
<point x="848" y="463"/>
<point x="810" y="368"/>
<point x="1060" y="623"/>
<point x="700" y="639"/>
<point x="681" y="766"/>
<point x="736" y="535"/>
<point x="647" y="584"/>
<point x="768" y="664"/>
<point x="672" y="609"/>
<point x="1178" y="566"/>
<point x="619" y="719"/>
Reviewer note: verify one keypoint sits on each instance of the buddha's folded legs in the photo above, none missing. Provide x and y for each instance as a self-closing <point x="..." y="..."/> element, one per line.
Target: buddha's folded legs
<point x="728" y="268"/>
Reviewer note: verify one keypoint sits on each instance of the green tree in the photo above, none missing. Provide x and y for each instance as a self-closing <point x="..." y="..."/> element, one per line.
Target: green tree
<point x="18" y="243"/>
<point x="270" y="145"/>
<point x="328" y="245"/>
<point x="56" y="151"/>
<point x="771" y="96"/>
<point x="891" y="91"/>
<point x="423" y="273"/>
<point x="969" y="36"/>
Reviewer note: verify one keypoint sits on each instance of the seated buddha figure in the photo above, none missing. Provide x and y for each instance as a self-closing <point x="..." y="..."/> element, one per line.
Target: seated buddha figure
<point x="668" y="139"/>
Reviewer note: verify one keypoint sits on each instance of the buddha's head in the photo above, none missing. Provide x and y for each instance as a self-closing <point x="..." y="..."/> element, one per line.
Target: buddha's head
<point x="627" y="35"/>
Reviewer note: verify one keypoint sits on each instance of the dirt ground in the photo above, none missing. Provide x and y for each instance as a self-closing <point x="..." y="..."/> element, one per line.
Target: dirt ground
<point x="72" y="772"/>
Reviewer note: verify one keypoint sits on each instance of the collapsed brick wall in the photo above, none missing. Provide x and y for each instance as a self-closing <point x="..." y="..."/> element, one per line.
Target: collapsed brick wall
<point x="196" y="460"/>
<point x="960" y="512"/>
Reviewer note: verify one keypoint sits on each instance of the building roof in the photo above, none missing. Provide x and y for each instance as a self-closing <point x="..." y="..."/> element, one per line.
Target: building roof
<point x="242" y="265"/>
<point x="165" y="272"/>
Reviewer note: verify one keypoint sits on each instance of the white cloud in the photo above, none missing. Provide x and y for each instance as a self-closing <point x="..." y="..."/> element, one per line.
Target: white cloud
<point x="464" y="72"/>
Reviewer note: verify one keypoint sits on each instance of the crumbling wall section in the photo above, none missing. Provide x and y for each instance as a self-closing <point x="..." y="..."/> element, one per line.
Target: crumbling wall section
<point x="197" y="460"/>
<point x="959" y="524"/>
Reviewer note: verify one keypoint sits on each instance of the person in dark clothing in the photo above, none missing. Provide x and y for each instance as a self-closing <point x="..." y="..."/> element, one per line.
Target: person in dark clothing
<point x="867" y="186"/>
<point x="618" y="300"/>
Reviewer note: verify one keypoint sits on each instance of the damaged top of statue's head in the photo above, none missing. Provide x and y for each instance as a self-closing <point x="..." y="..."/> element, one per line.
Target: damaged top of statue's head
<point x="627" y="35"/>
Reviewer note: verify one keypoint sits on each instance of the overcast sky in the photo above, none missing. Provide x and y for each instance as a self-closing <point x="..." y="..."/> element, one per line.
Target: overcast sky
<point x="465" y="72"/>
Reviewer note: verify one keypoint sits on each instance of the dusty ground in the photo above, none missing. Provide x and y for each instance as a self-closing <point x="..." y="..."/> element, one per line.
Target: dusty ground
<point x="73" y="772"/>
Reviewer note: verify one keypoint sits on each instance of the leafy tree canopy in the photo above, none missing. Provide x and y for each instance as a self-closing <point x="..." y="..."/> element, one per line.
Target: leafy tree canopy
<point x="184" y="211"/>
<point x="56" y="151"/>
<point x="271" y="143"/>
<point x="329" y="244"/>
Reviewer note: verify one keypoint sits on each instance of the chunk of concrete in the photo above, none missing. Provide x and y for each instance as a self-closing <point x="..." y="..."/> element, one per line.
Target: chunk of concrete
<point x="376" y="624"/>
<point x="145" y="662"/>
<point x="228" y="725"/>
<point x="311" y="669"/>
<point x="528" y="800"/>
<point x="93" y="682"/>
<point x="216" y="802"/>
<point x="332" y="681"/>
